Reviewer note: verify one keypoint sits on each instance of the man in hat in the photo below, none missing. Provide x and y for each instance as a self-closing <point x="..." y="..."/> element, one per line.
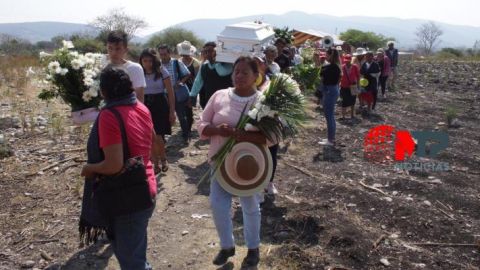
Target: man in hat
<point x="186" y="51"/>
<point x="392" y="54"/>
<point x="212" y="76"/>
<point x="283" y="58"/>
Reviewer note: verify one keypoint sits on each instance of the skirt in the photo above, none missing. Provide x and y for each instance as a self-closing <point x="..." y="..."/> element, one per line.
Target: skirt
<point x="366" y="97"/>
<point x="348" y="99"/>
<point x="160" y="111"/>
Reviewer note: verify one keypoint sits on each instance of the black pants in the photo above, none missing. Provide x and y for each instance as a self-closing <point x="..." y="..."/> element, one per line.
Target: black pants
<point x="383" y="83"/>
<point x="375" y="95"/>
<point x="273" y="150"/>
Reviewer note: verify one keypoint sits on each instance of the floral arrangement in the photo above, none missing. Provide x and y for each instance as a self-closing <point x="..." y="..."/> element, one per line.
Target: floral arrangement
<point x="72" y="76"/>
<point x="278" y="113"/>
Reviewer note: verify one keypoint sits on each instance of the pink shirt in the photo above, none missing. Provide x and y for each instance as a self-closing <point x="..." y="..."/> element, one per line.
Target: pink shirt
<point x="353" y="75"/>
<point x="224" y="107"/>
<point x="138" y="125"/>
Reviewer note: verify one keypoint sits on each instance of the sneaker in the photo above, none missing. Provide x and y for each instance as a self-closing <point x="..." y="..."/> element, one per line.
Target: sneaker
<point x="326" y="143"/>
<point x="223" y="255"/>
<point x="252" y="259"/>
<point x="271" y="189"/>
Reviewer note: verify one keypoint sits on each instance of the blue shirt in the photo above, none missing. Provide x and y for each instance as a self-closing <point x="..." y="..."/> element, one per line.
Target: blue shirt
<point x="172" y="69"/>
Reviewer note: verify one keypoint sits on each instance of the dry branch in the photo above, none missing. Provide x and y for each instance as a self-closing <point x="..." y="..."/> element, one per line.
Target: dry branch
<point x="372" y="188"/>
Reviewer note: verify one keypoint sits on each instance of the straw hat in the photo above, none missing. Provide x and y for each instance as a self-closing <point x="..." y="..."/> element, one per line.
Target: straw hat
<point x="247" y="169"/>
<point x="186" y="48"/>
<point x="360" y="51"/>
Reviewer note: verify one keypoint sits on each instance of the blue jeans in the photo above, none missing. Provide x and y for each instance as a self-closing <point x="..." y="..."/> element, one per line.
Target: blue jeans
<point x="221" y="202"/>
<point x="130" y="240"/>
<point x="330" y="96"/>
<point x="181" y="110"/>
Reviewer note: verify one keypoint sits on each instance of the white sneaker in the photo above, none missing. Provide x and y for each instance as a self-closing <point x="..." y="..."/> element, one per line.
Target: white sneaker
<point x="271" y="189"/>
<point x="326" y="143"/>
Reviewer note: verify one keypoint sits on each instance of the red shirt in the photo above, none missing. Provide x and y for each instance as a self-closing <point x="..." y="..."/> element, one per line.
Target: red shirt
<point x="139" y="126"/>
<point x="353" y="75"/>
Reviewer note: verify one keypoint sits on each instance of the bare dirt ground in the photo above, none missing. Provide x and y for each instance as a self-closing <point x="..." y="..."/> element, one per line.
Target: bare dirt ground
<point x="335" y="209"/>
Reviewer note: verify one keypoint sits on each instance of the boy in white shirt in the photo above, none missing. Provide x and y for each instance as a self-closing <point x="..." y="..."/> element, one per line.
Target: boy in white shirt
<point x="117" y="48"/>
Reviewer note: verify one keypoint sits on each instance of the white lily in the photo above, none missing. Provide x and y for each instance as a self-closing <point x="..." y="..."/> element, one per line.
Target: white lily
<point x="67" y="44"/>
<point x="253" y="113"/>
<point x="63" y="71"/>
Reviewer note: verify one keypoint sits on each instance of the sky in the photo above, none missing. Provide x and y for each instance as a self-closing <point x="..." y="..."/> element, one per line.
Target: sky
<point x="160" y="14"/>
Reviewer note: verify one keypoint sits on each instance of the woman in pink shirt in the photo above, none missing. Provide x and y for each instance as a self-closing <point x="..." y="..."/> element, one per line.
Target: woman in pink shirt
<point x="350" y="78"/>
<point x="217" y="124"/>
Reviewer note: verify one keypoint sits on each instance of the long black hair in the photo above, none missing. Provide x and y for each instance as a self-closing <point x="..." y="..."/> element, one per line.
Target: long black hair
<point x="156" y="65"/>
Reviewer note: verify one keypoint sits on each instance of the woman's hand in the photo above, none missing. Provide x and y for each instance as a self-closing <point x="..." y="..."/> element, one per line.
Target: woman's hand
<point x="87" y="173"/>
<point x="225" y="131"/>
<point x="249" y="136"/>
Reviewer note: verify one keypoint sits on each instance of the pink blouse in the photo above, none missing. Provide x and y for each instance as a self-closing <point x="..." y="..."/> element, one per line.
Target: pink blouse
<point x="224" y="107"/>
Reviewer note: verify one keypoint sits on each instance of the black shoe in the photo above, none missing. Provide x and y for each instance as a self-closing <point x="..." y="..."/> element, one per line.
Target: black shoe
<point x="252" y="259"/>
<point x="223" y="255"/>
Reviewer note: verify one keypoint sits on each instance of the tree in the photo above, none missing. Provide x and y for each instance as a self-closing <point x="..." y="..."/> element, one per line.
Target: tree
<point x="359" y="38"/>
<point x="12" y="45"/>
<point x="117" y="19"/>
<point x="428" y="36"/>
<point x="172" y="36"/>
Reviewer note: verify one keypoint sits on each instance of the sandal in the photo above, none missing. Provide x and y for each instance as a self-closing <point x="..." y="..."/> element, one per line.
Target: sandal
<point x="164" y="164"/>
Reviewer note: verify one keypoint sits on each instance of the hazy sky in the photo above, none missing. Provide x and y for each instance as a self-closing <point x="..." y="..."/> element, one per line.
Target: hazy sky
<point x="163" y="13"/>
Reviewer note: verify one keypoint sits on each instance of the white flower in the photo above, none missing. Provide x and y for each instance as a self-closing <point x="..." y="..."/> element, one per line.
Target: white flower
<point x="250" y="127"/>
<point x="89" y="73"/>
<point x="30" y="72"/>
<point x="58" y="70"/>
<point x="76" y="64"/>
<point x="86" y="96"/>
<point x="64" y="71"/>
<point x="253" y="113"/>
<point x="52" y="66"/>
<point x="74" y="53"/>
<point x="48" y="77"/>
<point x="261" y="99"/>
<point x="88" y="81"/>
<point x="67" y="44"/>
<point x="90" y="55"/>
<point x="93" y="92"/>
<point x="44" y="54"/>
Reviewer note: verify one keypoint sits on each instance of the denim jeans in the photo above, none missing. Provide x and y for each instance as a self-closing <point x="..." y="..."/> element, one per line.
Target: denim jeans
<point x="221" y="201"/>
<point x="330" y="96"/>
<point x="130" y="240"/>
<point x="181" y="110"/>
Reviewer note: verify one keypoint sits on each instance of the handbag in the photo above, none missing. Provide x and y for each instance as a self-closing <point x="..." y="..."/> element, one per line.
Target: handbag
<point x="127" y="191"/>
<point x="182" y="93"/>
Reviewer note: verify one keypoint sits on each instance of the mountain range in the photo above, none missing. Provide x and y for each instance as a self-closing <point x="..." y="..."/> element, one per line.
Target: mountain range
<point x="403" y="30"/>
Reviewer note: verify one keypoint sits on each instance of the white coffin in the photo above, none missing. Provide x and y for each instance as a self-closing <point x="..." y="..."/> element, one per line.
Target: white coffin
<point x="243" y="39"/>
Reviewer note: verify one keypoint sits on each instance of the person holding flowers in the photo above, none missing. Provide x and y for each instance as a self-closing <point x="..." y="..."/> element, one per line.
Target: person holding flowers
<point x="217" y="123"/>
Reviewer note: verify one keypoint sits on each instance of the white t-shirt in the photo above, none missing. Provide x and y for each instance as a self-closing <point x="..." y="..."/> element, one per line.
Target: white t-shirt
<point x="135" y="72"/>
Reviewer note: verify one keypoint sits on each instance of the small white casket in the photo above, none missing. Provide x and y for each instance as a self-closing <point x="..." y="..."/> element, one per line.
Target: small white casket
<point x="243" y="39"/>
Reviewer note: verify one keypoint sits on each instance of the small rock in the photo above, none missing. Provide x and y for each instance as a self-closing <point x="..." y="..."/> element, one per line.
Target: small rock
<point x="393" y="236"/>
<point x="184" y="233"/>
<point x="385" y="262"/>
<point x="395" y="193"/>
<point x="384" y="227"/>
<point x="388" y="199"/>
<point x="427" y="203"/>
<point x="351" y="205"/>
<point x="281" y="235"/>
<point x="28" y="264"/>
<point x="436" y="181"/>
<point x="420" y="265"/>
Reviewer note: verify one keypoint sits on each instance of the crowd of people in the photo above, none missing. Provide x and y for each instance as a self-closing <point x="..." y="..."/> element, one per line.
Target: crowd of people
<point x="143" y="103"/>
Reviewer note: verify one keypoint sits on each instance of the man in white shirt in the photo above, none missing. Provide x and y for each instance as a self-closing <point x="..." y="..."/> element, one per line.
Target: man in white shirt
<point x="117" y="48"/>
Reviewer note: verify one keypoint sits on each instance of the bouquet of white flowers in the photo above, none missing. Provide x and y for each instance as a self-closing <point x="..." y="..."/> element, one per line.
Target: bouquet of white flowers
<point x="73" y="76"/>
<point x="277" y="113"/>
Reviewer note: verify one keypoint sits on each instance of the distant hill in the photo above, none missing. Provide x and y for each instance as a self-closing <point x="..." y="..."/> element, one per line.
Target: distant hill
<point x="403" y="30"/>
<point x="43" y="31"/>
